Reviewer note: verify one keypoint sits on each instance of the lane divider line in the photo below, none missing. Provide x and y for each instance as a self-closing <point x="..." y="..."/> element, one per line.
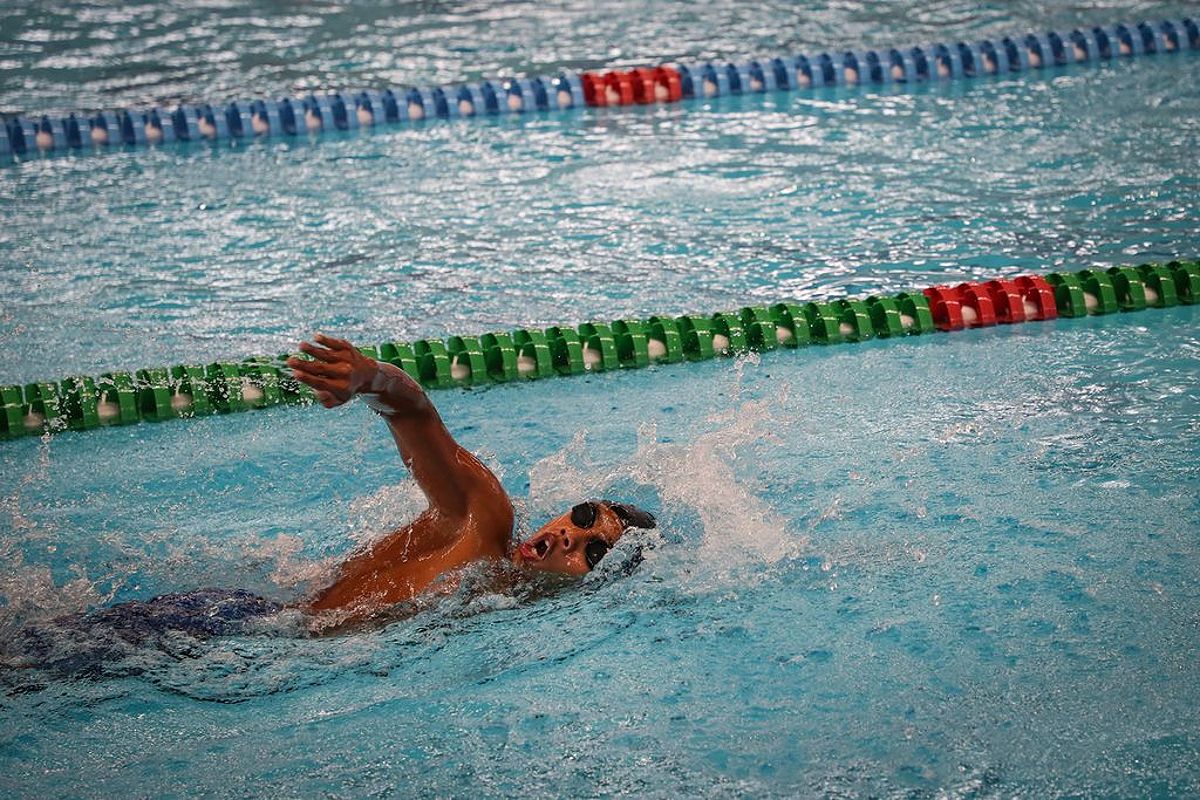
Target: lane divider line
<point x="80" y="403"/>
<point x="289" y="117"/>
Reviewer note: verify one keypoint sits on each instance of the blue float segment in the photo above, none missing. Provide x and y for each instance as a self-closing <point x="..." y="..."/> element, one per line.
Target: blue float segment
<point x="803" y="76"/>
<point x="467" y="101"/>
<point x="1151" y="38"/>
<point x="851" y="69"/>
<point x="566" y="91"/>
<point x="1057" y="49"/>
<point x="738" y="78"/>
<point x="6" y="146"/>
<point x="992" y="60"/>
<point x="876" y="70"/>
<point x="236" y="121"/>
<point x="825" y="71"/>
<point x="947" y="64"/>
<point x="922" y="64"/>
<point x="781" y="74"/>
<point x="761" y="76"/>
<point x="970" y="59"/>
<point x="540" y="93"/>
<point x="899" y="66"/>
<point x="1191" y="32"/>
<point x="1127" y="44"/>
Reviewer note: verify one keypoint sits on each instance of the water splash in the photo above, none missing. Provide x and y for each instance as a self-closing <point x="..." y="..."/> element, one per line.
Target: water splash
<point x="701" y="479"/>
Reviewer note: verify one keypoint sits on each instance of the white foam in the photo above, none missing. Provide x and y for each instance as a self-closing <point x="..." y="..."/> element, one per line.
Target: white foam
<point x="737" y="528"/>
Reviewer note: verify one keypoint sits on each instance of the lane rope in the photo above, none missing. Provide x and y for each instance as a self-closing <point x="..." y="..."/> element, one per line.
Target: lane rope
<point x="669" y="83"/>
<point x="184" y="391"/>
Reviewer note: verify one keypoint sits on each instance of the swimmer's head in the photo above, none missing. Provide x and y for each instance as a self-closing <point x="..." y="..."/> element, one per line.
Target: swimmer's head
<point x="574" y="543"/>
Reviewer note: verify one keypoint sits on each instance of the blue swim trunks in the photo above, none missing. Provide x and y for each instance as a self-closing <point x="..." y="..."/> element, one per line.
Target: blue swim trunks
<point x="100" y="642"/>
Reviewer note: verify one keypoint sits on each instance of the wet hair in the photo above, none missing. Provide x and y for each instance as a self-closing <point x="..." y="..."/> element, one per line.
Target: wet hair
<point x="632" y="516"/>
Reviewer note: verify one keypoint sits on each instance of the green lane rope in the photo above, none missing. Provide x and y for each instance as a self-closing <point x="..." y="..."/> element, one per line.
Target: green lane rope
<point x="184" y="391"/>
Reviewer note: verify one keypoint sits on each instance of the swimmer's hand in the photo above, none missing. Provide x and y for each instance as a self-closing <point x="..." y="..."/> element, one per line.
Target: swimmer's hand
<point x="336" y="373"/>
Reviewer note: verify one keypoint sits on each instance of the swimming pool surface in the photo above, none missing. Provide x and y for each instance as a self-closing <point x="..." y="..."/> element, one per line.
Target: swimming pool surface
<point x="960" y="566"/>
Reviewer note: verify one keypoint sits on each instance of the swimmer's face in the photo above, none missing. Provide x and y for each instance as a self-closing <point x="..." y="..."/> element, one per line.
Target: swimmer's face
<point x="573" y="543"/>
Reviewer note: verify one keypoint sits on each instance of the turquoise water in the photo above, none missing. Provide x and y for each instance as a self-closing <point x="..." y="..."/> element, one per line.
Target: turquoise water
<point x="956" y="566"/>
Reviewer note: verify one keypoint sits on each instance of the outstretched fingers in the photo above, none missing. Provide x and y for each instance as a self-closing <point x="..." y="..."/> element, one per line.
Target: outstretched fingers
<point x="333" y="343"/>
<point x="338" y="369"/>
<point x="320" y="353"/>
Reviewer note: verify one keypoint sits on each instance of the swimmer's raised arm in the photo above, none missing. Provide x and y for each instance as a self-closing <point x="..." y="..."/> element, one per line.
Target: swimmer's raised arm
<point x="447" y="473"/>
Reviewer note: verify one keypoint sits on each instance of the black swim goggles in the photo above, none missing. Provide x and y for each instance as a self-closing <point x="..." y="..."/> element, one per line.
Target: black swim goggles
<point x="584" y="516"/>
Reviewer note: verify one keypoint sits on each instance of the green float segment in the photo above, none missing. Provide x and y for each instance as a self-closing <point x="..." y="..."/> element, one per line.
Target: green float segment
<point x="192" y="390"/>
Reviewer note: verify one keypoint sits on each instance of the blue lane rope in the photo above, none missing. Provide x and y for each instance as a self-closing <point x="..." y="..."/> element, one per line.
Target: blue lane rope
<point x="348" y="111"/>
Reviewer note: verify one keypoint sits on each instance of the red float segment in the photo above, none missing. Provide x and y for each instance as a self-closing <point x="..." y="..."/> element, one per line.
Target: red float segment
<point x="593" y="89"/>
<point x="946" y="306"/>
<point x="644" y="84"/>
<point x="1007" y="300"/>
<point x="618" y="87"/>
<point x="1039" y="293"/>
<point x="976" y="297"/>
<point x="668" y="78"/>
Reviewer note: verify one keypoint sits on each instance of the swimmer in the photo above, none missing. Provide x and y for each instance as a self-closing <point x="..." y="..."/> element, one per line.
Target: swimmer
<point x="469" y="518"/>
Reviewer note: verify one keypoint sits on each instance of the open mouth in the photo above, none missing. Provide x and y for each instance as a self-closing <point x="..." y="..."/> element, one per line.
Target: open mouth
<point x="537" y="549"/>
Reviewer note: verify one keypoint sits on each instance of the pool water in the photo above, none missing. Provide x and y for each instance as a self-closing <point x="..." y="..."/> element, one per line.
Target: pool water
<point x="955" y="566"/>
